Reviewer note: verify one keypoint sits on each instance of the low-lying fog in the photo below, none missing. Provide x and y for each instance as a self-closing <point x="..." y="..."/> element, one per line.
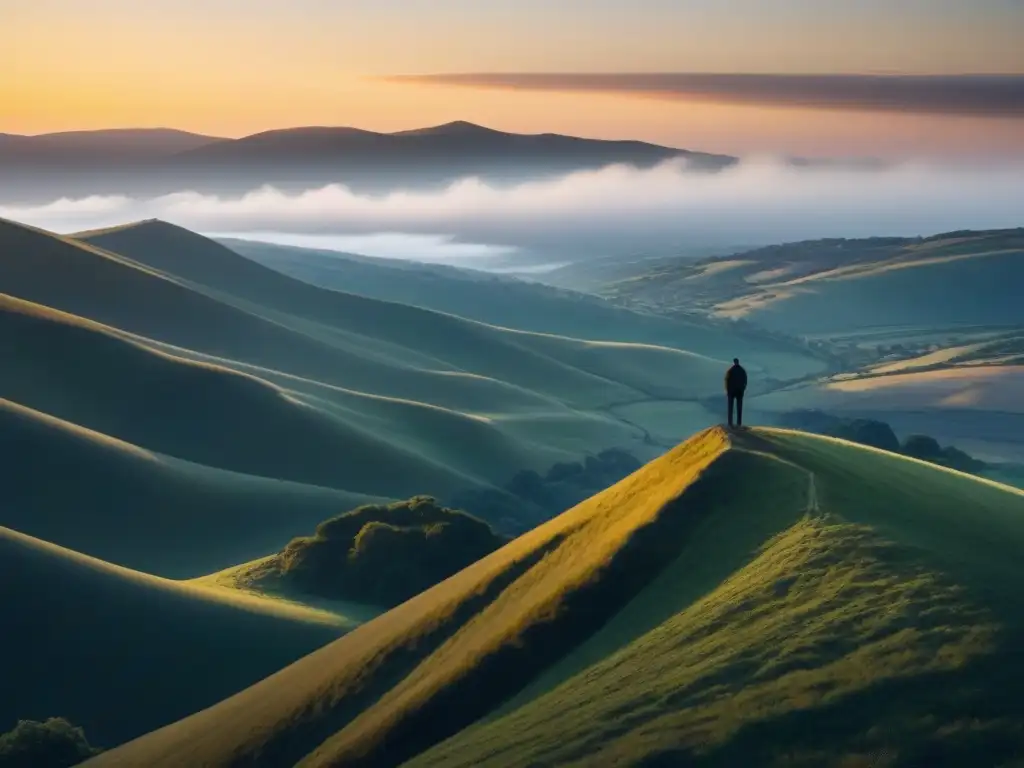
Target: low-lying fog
<point x="613" y="210"/>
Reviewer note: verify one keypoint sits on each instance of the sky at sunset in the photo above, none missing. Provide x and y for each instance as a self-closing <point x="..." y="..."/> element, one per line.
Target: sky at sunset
<point x="234" y="67"/>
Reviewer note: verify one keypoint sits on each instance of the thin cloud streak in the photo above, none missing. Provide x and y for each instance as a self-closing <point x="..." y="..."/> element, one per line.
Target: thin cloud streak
<point x="965" y="95"/>
<point x="430" y="249"/>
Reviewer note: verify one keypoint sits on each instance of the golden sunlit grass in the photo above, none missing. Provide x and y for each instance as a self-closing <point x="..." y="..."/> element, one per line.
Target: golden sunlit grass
<point x="829" y="616"/>
<point x="847" y="288"/>
<point x="857" y="271"/>
<point x="767" y="593"/>
<point x="982" y="387"/>
<point x="819" y="616"/>
<point x="938" y="357"/>
<point x="203" y="589"/>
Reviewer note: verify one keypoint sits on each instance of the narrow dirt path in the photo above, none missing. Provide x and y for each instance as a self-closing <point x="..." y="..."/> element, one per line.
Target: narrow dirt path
<point x="813" y="507"/>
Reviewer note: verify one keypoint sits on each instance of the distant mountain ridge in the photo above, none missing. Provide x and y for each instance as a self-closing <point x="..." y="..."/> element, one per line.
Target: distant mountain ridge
<point x="93" y="148"/>
<point x="499" y="300"/>
<point x="160" y="161"/>
<point x="152" y="161"/>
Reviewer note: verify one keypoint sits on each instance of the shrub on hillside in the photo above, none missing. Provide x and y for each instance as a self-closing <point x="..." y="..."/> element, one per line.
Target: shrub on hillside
<point x="922" y="447"/>
<point x="871" y="432"/>
<point x="957" y="459"/>
<point x="530" y="497"/>
<point x="55" y="743"/>
<point x="877" y="434"/>
<point x="928" y="449"/>
<point x="385" y="554"/>
<point x="565" y="484"/>
<point x="880" y="435"/>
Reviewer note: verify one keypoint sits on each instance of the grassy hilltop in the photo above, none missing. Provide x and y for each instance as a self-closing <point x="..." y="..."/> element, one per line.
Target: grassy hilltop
<point x="769" y="593"/>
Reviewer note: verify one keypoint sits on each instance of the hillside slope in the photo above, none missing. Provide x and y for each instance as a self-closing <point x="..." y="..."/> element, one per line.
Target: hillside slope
<point x="147" y="511"/>
<point x="660" y="381"/>
<point x="526" y="306"/>
<point x="765" y="592"/>
<point x="184" y="376"/>
<point x="843" y="286"/>
<point x="120" y="652"/>
<point x="198" y="412"/>
<point x="452" y="340"/>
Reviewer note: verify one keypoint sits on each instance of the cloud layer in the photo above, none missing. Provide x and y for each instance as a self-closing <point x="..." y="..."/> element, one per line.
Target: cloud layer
<point x="600" y="212"/>
<point x="975" y="95"/>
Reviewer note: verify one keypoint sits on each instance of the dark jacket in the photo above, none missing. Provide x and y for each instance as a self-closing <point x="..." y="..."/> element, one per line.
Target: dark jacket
<point x="735" y="380"/>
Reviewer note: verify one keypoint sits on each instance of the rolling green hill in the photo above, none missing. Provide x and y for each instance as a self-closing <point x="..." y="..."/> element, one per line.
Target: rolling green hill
<point x="841" y="287"/>
<point x="199" y="412"/>
<point x="380" y="341"/>
<point x="121" y="652"/>
<point x="513" y="303"/>
<point x="771" y="593"/>
<point x="147" y="511"/>
<point x="209" y="409"/>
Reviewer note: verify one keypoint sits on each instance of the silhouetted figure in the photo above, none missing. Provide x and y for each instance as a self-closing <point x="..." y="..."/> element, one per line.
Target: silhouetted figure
<point x="735" y="386"/>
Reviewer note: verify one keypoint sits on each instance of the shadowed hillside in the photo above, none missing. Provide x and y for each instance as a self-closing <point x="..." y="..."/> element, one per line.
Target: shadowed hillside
<point x="120" y="652"/>
<point x="178" y="375"/>
<point x="528" y="306"/>
<point x="199" y="412"/>
<point x="527" y="359"/>
<point x="147" y="511"/>
<point x="768" y="593"/>
<point x="53" y="743"/>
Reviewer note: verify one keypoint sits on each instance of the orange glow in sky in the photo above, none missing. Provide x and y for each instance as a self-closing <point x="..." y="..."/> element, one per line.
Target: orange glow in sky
<point x="231" y="68"/>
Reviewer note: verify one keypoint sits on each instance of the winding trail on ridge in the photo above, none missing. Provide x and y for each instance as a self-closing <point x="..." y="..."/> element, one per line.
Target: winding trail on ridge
<point x="813" y="507"/>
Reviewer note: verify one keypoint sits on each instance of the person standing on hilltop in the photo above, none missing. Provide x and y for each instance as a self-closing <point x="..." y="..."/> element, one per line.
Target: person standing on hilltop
<point x="735" y="386"/>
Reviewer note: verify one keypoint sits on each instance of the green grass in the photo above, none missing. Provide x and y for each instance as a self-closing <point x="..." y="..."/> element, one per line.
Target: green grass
<point x="772" y="594"/>
<point x="838" y="287"/>
<point x="977" y="409"/>
<point x="192" y="382"/>
<point x="116" y="501"/>
<point x="814" y="623"/>
<point x="900" y="584"/>
<point x="509" y="303"/>
<point x="184" y="359"/>
<point x="380" y="554"/>
<point x="120" y="652"/>
<point x="52" y="743"/>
